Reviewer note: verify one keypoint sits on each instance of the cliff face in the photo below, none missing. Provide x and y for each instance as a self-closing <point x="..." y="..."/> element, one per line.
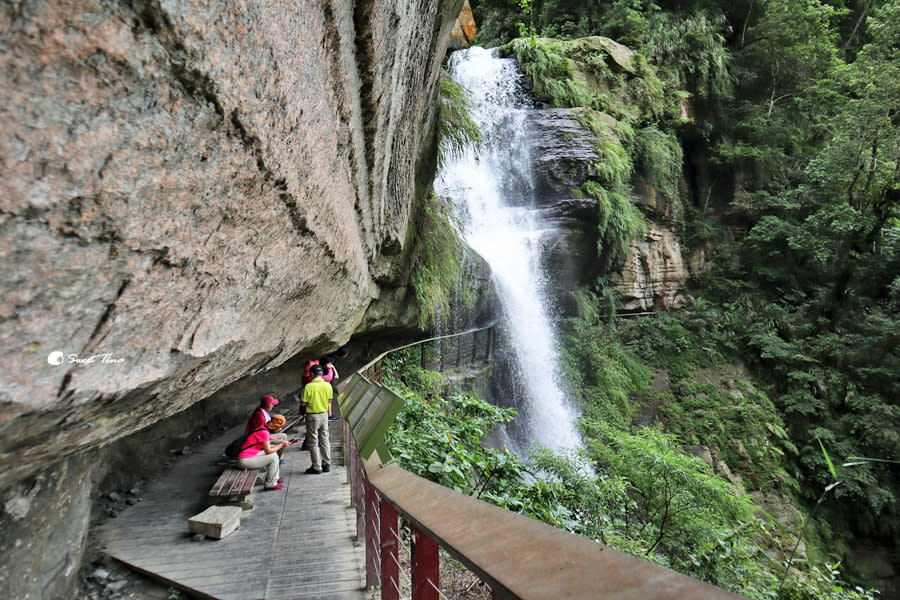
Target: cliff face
<point x="194" y="193"/>
<point x="654" y="271"/>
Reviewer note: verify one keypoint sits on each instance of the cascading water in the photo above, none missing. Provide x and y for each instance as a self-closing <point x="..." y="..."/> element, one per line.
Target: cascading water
<point x="494" y="194"/>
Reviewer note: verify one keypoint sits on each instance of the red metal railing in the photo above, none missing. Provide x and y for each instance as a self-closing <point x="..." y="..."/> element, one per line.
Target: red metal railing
<point x="517" y="557"/>
<point x="378" y="524"/>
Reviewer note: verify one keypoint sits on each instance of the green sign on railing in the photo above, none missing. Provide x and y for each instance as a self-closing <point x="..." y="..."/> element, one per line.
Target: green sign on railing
<point x="369" y="408"/>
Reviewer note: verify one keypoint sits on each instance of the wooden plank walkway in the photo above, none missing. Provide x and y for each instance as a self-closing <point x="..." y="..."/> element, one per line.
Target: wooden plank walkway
<point x="295" y="544"/>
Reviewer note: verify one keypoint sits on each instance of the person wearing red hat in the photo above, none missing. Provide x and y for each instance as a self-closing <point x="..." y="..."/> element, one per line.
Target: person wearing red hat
<point x="262" y="414"/>
<point x="260" y="452"/>
<point x="261" y="417"/>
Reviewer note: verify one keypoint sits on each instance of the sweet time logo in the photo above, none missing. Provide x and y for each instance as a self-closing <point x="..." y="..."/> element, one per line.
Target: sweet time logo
<point x="58" y="358"/>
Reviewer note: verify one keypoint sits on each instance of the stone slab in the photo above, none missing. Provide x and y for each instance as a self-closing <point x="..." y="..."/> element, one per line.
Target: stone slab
<point x="216" y="521"/>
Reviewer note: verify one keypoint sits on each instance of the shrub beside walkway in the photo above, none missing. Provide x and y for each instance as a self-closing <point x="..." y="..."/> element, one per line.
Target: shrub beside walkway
<point x="297" y="543"/>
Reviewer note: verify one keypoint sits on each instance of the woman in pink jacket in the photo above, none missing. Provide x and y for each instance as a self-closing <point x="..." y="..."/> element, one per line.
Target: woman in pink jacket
<point x="260" y="453"/>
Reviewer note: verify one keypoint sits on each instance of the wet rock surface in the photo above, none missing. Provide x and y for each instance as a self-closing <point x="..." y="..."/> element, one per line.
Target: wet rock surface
<point x="562" y="151"/>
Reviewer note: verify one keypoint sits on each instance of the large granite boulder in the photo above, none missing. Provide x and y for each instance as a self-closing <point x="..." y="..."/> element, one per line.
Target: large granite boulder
<point x="194" y="193"/>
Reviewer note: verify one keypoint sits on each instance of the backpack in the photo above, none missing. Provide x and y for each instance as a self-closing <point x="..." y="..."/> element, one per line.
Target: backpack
<point x="237" y="446"/>
<point x="307" y="376"/>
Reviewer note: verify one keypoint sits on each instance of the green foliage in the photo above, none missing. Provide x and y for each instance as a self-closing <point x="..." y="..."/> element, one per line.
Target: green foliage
<point x="675" y="343"/>
<point x="499" y="19"/>
<point x="635" y="492"/>
<point x="694" y="48"/>
<point x="701" y="226"/>
<point x="601" y="375"/>
<point x="786" y="51"/>
<point x="737" y="419"/>
<point x="629" y="21"/>
<point x="614" y="166"/>
<point x="689" y="46"/>
<point x="441" y="439"/>
<point x="814" y="382"/>
<point x="818" y="140"/>
<point x="456" y="129"/>
<point x="834" y="386"/>
<point x="528" y="30"/>
<point x="683" y="513"/>
<point x="619" y="223"/>
<point x="709" y="401"/>
<point x="403" y="371"/>
<point x="659" y="161"/>
<point x="643" y="495"/>
<point x="437" y="273"/>
<point x="803" y="126"/>
<point x="582" y="73"/>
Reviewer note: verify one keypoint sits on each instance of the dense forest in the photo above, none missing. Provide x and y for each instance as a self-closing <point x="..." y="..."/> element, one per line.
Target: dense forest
<point x="774" y="126"/>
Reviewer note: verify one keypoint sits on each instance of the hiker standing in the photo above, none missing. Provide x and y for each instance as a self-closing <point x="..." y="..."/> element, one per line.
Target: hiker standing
<point x="316" y="403"/>
<point x="329" y="364"/>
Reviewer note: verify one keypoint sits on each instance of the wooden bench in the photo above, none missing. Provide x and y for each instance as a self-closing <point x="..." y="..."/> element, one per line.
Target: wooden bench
<point x="234" y="485"/>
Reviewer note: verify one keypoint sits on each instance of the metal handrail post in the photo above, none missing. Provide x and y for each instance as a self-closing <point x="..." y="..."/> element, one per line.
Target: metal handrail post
<point x="425" y="566"/>
<point x="372" y="545"/>
<point x="390" y="544"/>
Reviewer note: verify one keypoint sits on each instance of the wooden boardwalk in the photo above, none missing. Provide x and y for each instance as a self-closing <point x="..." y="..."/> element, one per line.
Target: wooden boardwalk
<point x="295" y="544"/>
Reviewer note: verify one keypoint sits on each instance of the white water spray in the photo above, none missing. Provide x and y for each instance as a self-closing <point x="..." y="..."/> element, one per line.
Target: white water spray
<point x="494" y="193"/>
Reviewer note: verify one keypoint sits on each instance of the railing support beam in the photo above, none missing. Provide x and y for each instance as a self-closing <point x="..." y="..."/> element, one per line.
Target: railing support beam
<point x="390" y="560"/>
<point x="425" y="567"/>
<point x="371" y="535"/>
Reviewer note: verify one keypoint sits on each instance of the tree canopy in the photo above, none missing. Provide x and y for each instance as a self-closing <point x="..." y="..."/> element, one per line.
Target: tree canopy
<point x="795" y="103"/>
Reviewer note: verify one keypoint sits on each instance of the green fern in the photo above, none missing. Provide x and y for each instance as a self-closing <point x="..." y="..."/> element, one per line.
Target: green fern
<point x="456" y="130"/>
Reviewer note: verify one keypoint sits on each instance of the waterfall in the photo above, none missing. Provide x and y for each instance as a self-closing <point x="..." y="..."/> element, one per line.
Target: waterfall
<point x="494" y="197"/>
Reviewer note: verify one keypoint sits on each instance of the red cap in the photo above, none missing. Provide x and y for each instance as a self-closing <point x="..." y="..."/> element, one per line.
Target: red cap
<point x="271" y="400"/>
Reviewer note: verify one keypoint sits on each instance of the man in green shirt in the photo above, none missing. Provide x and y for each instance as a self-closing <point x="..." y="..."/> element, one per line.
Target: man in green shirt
<point x="316" y="400"/>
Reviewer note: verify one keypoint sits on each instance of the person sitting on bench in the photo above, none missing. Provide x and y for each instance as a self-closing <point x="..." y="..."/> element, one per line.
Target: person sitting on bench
<point x="261" y="414"/>
<point x="260" y="453"/>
